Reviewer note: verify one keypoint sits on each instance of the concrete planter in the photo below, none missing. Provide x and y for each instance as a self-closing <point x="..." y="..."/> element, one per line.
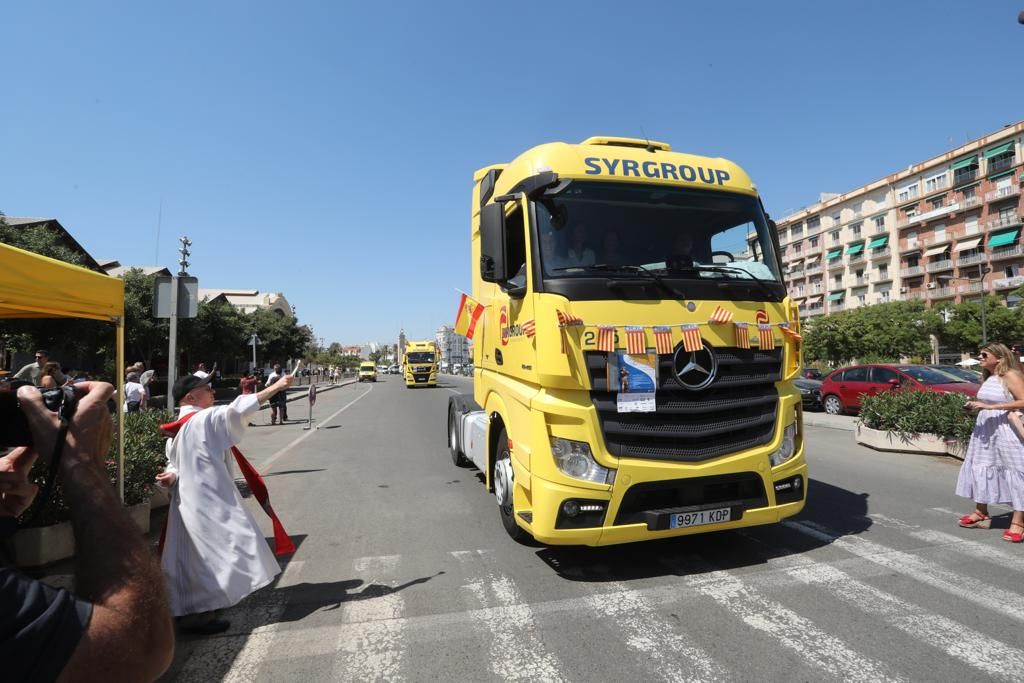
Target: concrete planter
<point x="955" y="449"/>
<point x="881" y="440"/>
<point x="37" y="546"/>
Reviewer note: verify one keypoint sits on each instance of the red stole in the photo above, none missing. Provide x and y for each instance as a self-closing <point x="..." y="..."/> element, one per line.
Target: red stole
<point x="283" y="544"/>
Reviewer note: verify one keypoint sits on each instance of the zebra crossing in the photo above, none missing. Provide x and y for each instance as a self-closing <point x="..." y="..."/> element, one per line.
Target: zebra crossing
<point x="902" y="605"/>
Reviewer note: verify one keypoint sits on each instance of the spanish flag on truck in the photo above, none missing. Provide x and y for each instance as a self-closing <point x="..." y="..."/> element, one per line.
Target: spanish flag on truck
<point x="468" y="316"/>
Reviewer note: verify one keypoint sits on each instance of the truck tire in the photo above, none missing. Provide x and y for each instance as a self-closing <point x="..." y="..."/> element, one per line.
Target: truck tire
<point x="504" y="487"/>
<point x="453" y="439"/>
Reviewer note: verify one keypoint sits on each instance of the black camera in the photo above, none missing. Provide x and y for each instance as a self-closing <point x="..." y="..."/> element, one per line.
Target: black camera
<point x="14" y="429"/>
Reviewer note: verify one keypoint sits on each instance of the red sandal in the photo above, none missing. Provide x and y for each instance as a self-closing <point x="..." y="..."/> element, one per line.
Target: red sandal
<point x="976" y="520"/>
<point x="1008" y="535"/>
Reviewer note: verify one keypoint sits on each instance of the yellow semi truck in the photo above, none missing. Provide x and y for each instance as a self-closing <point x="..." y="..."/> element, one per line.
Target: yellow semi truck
<point x="634" y="358"/>
<point x="419" y="367"/>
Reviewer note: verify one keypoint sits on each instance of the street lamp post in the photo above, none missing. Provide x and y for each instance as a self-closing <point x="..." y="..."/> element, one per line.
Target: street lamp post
<point x="985" y="270"/>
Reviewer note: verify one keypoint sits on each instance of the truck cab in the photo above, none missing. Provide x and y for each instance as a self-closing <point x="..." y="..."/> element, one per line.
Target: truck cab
<point x="633" y="365"/>
<point x="421" y="364"/>
<point x="367" y="372"/>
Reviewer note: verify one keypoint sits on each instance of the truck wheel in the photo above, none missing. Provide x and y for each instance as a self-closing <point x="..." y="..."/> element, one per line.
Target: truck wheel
<point x="453" y="440"/>
<point x="833" y="406"/>
<point x="504" y="487"/>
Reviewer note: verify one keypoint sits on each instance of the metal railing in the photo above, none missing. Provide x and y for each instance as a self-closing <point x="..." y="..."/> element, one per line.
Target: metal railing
<point x="1006" y="252"/>
<point x="1003" y="221"/>
<point x="1000" y="165"/>
<point x="910" y="245"/>
<point x="970" y="260"/>
<point x="856" y="258"/>
<point x="881" y="253"/>
<point x="883" y="276"/>
<point x="914" y="296"/>
<point x="970" y="202"/>
<point x="861" y="281"/>
<point x="945" y="264"/>
<point x="1008" y="282"/>
<point x="912" y="271"/>
<point x="964" y="177"/>
<point x="1002" y="192"/>
<point x="971" y="288"/>
<point x="942" y="293"/>
<point x="812" y="269"/>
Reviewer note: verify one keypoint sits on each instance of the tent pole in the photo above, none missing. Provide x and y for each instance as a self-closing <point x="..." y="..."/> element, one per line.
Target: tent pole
<point x="119" y="372"/>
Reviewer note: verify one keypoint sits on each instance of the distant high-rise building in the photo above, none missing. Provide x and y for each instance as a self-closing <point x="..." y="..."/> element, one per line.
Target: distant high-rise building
<point x="454" y="347"/>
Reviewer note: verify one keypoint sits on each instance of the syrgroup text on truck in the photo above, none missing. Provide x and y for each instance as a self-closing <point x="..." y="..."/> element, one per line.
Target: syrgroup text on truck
<point x="634" y="355"/>
<point x="420" y="364"/>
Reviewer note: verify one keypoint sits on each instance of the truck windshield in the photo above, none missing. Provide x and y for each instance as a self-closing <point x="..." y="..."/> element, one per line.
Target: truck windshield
<point x="420" y="357"/>
<point x="619" y="230"/>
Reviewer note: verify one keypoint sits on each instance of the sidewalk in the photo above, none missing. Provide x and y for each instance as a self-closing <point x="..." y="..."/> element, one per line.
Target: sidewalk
<point x="844" y="422"/>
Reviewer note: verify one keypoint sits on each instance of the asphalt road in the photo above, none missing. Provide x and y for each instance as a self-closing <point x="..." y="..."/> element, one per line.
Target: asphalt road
<point x="403" y="572"/>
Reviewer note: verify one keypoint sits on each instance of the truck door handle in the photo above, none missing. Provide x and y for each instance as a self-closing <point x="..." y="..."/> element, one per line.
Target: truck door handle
<point x="497" y="357"/>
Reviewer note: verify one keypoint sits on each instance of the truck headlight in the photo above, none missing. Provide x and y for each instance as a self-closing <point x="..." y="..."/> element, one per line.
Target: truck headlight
<point x="787" y="449"/>
<point x="575" y="460"/>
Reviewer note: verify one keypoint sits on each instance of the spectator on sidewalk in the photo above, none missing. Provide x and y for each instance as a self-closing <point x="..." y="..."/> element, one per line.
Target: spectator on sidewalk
<point x="33" y="372"/>
<point x="134" y="394"/>
<point x="279" y="403"/>
<point x="247" y="385"/>
<point x="116" y="626"/>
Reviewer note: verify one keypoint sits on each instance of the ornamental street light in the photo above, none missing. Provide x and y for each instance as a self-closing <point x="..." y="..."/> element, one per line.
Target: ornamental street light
<point x="985" y="270"/>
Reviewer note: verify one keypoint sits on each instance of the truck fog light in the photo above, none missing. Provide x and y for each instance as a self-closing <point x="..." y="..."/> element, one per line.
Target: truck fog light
<point x="574" y="459"/>
<point x="571" y="508"/>
<point x="787" y="449"/>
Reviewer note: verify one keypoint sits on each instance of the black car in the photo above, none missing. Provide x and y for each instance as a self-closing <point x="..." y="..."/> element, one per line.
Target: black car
<point x="810" y="392"/>
<point x="812" y="373"/>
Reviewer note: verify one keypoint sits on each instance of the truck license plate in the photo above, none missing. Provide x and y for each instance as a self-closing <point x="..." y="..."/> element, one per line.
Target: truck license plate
<point x="699" y="517"/>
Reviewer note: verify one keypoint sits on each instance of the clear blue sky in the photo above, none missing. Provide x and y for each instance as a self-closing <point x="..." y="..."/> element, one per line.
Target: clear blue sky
<point x="326" y="150"/>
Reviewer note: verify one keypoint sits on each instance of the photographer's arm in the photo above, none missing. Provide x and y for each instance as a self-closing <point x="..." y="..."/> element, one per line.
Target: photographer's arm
<point x="130" y="635"/>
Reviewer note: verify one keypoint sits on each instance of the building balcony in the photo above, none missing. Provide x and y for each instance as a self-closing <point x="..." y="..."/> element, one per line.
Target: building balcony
<point x="939" y="186"/>
<point x="1000" y="253"/>
<point x="970" y="288"/>
<point x="904" y="221"/>
<point x="1008" y="282"/>
<point x="913" y="296"/>
<point x="938" y="238"/>
<point x="1006" y="220"/>
<point x="812" y="251"/>
<point x="882" y="276"/>
<point x="877" y="254"/>
<point x="861" y="281"/>
<point x="970" y="202"/>
<point x="912" y="271"/>
<point x="816" y="309"/>
<point x="1000" y="165"/>
<point x="965" y="176"/>
<point x="942" y="293"/>
<point x="856" y="258"/>
<point x="810" y="270"/>
<point x="836" y="306"/>
<point x="1002" y="193"/>
<point x="939" y="266"/>
<point x="836" y="264"/>
<point x="910" y="245"/>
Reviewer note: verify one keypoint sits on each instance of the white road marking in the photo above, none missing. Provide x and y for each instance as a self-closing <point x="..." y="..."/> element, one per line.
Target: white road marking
<point x="516" y="653"/>
<point x="957" y="640"/>
<point x="891" y="523"/>
<point x="675" y="657"/>
<point x="990" y="597"/>
<point x="370" y="645"/>
<point x="982" y="552"/>
<point x="265" y="467"/>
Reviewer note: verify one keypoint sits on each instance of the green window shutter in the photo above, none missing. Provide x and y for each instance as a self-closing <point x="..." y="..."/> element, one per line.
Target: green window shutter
<point x="1002" y="239"/>
<point x="878" y="242"/>
<point x="1001" y="149"/>
<point x="855" y="249"/>
<point x="964" y="163"/>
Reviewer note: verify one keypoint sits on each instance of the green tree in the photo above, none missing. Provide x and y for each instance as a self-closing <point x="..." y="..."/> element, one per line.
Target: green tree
<point x="962" y="331"/>
<point x="145" y="336"/>
<point x="218" y="333"/>
<point x="880" y="332"/>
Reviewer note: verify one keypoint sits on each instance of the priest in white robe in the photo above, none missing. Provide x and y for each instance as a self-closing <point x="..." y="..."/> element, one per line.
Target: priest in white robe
<point x="214" y="553"/>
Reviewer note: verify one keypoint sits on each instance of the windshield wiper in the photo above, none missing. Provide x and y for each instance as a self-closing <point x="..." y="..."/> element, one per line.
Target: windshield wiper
<point x="729" y="269"/>
<point x="625" y="268"/>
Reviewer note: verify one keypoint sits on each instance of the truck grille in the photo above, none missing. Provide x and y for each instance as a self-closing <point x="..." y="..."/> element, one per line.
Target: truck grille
<point x="737" y="411"/>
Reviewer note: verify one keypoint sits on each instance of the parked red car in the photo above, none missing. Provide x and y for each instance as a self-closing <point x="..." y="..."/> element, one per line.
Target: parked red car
<point x="842" y="390"/>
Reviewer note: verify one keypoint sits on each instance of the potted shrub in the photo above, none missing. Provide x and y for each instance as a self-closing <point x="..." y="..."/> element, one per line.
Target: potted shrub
<point x="916" y="421"/>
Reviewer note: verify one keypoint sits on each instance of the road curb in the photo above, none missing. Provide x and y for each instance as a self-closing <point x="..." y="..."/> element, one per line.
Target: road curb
<point x="840" y="422"/>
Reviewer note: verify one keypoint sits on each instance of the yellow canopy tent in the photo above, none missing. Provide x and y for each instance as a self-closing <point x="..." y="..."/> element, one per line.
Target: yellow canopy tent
<point x="34" y="286"/>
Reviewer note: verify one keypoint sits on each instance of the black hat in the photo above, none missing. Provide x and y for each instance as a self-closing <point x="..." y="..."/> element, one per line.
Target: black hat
<point x="186" y="384"/>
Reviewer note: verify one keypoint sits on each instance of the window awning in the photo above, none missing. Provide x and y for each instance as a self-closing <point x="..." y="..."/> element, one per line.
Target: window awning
<point x="813" y="300"/>
<point x="855" y="248"/>
<point x="835" y="253"/>
<point x="878" y="242"/>
<point x="1001" y="149"/>
<point x="837" y="296"/>
<point x="1003" y="238"/>
<point x="795" y="262"/>
<point x="968" y="244"/>
<point x="964" y="163"/>
<point x="1000" y="175"/>
<point x="935" y="251"/>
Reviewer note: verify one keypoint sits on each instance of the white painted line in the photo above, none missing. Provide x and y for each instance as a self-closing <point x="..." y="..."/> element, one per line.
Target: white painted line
<point x="516" y="651"/>
<point x="673" y="654"/>
<point x="990" y="597"/>
<point x="892" y="523"/>
<point x="813" y="645"/>
<point x="957" y="640"/>
<point x="981" y="552"/>
<point x="370" y="644"/>
<point x="379" y="563"/>
<point x="947" y="511"/>
<point x="272" y="459"/>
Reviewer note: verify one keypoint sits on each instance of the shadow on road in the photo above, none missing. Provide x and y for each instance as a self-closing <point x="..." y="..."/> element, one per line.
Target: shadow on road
<point x="277" y="474"/>
<point x="842" y="512"/>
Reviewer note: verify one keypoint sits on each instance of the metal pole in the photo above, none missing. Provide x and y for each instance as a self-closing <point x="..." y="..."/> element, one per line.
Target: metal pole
<point x="172" y="347"/>
<point x="984" y="329"/>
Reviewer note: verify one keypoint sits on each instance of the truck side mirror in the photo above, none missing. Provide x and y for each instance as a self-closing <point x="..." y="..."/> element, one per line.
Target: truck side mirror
<point x="493" y="266"/>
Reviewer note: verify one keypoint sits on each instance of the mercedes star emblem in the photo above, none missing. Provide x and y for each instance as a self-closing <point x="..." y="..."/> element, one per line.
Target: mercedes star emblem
<point x="695" y="370"/>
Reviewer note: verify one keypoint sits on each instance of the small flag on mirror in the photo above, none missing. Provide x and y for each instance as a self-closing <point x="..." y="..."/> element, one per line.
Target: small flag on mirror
<point x="635" y="340"/>
<point x="742" y="335"/>
<point x="663" y="339"/>
<point x="691" y="337"/>
<point x="790" y="332"/>
<point x="529" y="328"/>
<point x="720" y="316"/>
<point x="605" y="338"/>
<point x="766" y="337"/>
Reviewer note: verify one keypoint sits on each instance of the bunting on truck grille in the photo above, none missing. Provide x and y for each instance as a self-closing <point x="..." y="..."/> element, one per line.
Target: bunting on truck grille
<point x="766" y="337"/>
<point x="530" y="328"/>
<point x="790" y="332"/>
<point x="742" y="335"/>
<point x="720" y="316"/>
<point x="663" y="339"/>
<point x="566" y="320"/>
<point x="636" y="342"/>
<point x="691" y="337"/>
<point x="605" y="338"/>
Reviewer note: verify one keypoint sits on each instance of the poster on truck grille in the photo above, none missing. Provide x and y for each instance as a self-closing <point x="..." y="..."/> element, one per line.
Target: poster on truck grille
<point x="634" y="376"/>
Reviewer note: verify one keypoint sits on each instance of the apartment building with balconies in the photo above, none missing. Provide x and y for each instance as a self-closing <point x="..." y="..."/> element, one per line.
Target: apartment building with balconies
<point x="944" y="229"/>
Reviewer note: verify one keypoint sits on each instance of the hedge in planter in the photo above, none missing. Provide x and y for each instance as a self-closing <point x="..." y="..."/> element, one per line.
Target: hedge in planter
<point x="143" y="458"/>
<point x="919" y="412"/>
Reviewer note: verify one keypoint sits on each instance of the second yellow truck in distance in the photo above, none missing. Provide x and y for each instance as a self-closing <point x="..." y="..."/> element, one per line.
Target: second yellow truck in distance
<point x="635" y="355"/>
<point x="421" y="363"/>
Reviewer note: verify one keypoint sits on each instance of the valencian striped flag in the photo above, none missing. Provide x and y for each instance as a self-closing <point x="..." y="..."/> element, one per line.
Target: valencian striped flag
<point x="766" y="337"/>
<point x="720" y="316"/>
<point x="790" y="332"/>
<point x="635" y="339"/>
<point x="691" y="337"/>
<point x="530" y="328"/>
<point x="742" y="335"/>
<point x="468" y="316"/>
<point x="663" y="339"/>
<point x="566" y="320"/>
<point x="605" y="338"/>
